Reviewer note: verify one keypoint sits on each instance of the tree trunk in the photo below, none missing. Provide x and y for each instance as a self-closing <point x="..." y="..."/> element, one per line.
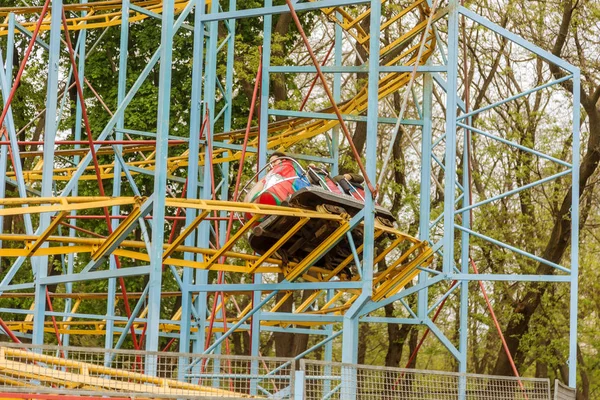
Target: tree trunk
<point x="397" y="335"/>
<point x="278" y="85"/>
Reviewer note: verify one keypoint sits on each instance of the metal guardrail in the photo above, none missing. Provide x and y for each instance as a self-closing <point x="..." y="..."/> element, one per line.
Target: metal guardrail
<point x="123" y="373"/>
<point x="52" y="370"/>
<point x="339" y="381"/>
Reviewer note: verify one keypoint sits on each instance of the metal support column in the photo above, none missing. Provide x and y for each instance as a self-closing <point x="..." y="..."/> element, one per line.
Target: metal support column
<point x="185" y="335"/>
<point x="337" y="95"/>
<point x="425" y="193"/>
<point x="41" y="263"/>
<point x="116" y="210"/>
<point x="450" y="155"/>
<point x="81" y="47"/>
<point x="351" y="319"/>
<point x="464" y="285"/>
<point x="573" y="317"/>
<point x="160" y="185"/>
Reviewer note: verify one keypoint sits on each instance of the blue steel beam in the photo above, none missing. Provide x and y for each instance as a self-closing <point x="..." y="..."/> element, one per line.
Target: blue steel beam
<point x="392" y="320"/>
<point x="575" y="192"/>
<point x="346" y="117"/>
<point x="517" y="96"/>
<point x="160" y="184"/>
<point x="148" y="134"/>
<point x="408" y="308"/>
<point x="136" y="192"/>
<point x="509" y="277"/>
<point x="351" y="320"/>
<point x="443" y="339"/>
<point x="406" y="292"/>
<point x="514" y="144"/>
<point x="514" y="249"/>
<point x="551" y="58"/>
<point x="425" y="190"/>
<point x="144" y="11"/>
<point x="513" y="191"/>
<point x="255" y="309"/>
<point x="28" y="33"/>
<point x="463" y="334"/>
<point x="262" y="161"/>
<point x="441" y="299"/>
<point x="203" y="238"/>
<point x="10" y="46"/>
<point x="244" y="287"/>
<point x="136" y="310"/>
<point x="350" y="69"/>
<point x="41" y="263"/>
<point x="94" y="275"/>
<point x="6" y="71"/>
<point x="120" y="123"/>
<point x="337" y="96"/>
<point x="210" y="94"/>
<point x="450" y="153"/>
<point x="268" y="10"/>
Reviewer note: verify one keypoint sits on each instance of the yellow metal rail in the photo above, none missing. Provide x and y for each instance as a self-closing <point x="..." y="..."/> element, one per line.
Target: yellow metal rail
<point x="401" y="252"/>
<point x="22" y="366"/>
<point x="283" y="134"/>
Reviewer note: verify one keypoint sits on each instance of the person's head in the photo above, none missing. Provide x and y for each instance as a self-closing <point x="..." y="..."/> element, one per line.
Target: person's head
<point x="276" y="156"/>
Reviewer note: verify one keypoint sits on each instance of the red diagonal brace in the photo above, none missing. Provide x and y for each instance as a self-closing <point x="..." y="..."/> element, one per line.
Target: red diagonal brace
<point x="372" y="189"/>
<point x="24" y="61"/>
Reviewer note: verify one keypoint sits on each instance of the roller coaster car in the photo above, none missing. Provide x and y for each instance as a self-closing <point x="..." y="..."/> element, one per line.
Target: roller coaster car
<point x="287" y="183"/>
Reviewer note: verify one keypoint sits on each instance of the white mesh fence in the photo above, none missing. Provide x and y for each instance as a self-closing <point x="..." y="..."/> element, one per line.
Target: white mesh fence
<point x="342" y="381"/>
<point x="140" y="374"/>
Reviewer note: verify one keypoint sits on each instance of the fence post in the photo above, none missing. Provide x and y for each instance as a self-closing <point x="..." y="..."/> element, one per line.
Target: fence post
<point x="563" y="392"/>
<point x="299" y="385"/>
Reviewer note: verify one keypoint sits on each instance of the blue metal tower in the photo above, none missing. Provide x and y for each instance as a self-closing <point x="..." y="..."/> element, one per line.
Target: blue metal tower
<point x="424" y="56"/>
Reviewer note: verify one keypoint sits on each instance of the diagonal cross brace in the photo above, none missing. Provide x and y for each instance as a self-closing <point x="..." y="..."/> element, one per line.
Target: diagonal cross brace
<point x="119" y="234"/>
<point x="87" y="159"/>
<point x="186" y="232"/>
<point x="42" y="238"/>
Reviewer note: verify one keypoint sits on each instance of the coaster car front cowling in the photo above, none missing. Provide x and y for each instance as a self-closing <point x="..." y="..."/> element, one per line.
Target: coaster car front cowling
<point x="287" y="183"/>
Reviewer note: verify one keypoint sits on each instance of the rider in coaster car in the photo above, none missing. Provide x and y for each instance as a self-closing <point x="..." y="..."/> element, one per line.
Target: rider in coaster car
<point x="349" y="182"/>
<point x="284" y="178"/>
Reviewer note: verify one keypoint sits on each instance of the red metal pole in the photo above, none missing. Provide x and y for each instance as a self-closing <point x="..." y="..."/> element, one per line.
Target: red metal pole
<point x="312" y="85"/>
<point x="169" y="218"/>
<point x="49" y="301"/>
<point x="96" y="142"/>
<point x="7" y="330"/>
<point x="497" y="325"/>
<point x="24" y="61"/>
<point x="372" y="189"/>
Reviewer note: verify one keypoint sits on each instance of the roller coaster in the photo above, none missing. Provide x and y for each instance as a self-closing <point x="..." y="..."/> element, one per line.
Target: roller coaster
<point x="207" y="253"/>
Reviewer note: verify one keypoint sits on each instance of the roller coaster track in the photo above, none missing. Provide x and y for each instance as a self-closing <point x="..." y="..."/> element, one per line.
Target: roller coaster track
<point x="400" y="253"/>
<point x="401" y="264"/>
<point x="283" y="134"/>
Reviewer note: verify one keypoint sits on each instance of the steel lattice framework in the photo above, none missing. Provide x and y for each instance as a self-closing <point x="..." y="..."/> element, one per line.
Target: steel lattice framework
<point x="49" y="199"/>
